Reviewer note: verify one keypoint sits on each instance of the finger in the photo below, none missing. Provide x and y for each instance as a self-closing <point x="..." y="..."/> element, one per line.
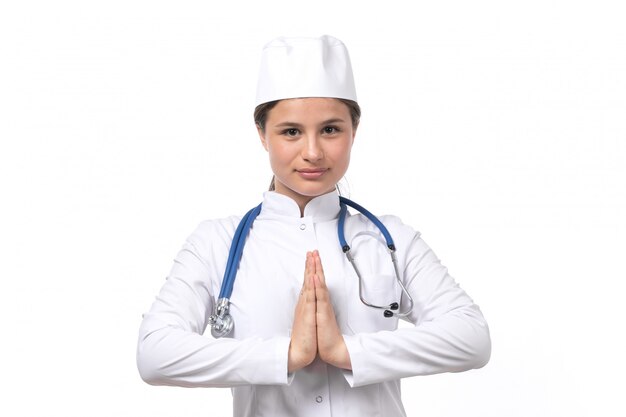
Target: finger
<point x="304" y="279"/>
<point x="309" y="290"/>
<point x="309" y="284"/>
<point x="306" y="267"/>
<point x="308" y="271"/>
<point x="308" y="264"/>
<point x="319" y="270"/>
<point x="321" y="291"/>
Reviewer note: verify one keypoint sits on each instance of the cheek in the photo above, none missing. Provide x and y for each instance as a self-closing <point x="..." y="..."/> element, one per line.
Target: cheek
<point x="341" y="153"/>
<point x="279" y="155"/>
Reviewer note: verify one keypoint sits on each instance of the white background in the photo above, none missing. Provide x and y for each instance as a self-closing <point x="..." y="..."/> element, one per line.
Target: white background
<point x="496" y="128"/>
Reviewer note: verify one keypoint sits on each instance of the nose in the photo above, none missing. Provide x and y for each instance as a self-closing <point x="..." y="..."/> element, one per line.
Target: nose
<point x="312" y="150"/>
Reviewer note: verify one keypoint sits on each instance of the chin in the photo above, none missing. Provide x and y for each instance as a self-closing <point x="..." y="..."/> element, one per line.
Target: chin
<point x="313" y="190"/>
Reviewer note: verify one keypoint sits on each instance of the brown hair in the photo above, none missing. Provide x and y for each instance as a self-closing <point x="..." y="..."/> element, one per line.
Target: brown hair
<point x="262" y="111"/>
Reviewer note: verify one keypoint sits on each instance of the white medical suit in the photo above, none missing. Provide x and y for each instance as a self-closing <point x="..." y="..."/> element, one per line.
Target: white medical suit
<point x="449" y="332"/>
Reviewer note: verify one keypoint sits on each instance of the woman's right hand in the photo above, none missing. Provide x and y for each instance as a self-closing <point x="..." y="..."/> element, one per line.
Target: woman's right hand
<point x="303" y="346"/>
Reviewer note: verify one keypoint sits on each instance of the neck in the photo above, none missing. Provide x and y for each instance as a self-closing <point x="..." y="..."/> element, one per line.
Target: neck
<point x="301" y="200"/>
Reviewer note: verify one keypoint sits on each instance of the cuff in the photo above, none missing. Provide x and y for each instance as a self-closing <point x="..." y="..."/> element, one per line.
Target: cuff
<point x="282" y="361"/>
<point x="355" y="350"/>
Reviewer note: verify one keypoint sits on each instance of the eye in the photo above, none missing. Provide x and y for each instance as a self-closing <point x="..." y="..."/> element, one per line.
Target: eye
<point x="329" y="130"/>
<point x="291" y="132"/>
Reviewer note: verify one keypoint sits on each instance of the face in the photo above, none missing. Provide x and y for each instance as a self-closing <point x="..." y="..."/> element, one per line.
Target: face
<point x="309" y="142"/>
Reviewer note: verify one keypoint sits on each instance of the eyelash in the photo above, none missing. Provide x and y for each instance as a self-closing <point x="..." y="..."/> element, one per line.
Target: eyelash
<point x="292" y="131"/>
<point x="286" y="132"/>
<point x="335" y="129"/>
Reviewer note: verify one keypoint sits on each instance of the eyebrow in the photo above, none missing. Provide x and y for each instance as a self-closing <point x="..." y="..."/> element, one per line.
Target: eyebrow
<point x="325" y="122"/>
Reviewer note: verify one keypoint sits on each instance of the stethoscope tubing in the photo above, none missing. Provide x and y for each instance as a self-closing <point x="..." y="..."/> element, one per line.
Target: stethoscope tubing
<point x="221" y="321"/>
<point x="236" y="251"/>
<point x="342" y="218"/>
<point x="390" y="310"/>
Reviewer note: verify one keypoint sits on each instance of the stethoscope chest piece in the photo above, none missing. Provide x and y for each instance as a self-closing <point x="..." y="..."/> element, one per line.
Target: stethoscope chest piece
<point x="221" y="322"/>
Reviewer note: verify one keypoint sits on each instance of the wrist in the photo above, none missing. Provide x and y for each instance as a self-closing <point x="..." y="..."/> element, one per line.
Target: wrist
<point x="338" y="356"/>
<point x="297" y="360"/>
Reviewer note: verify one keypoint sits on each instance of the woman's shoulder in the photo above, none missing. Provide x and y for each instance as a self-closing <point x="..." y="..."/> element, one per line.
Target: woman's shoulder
<point x="212" y="233"/>
<point x="390" y="221"/>
<point x="401" y="232"/>
<point x="224" y="224"/>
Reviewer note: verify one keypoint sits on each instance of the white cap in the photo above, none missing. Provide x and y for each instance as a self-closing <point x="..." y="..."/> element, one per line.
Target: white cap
<point x="305" y="67"/>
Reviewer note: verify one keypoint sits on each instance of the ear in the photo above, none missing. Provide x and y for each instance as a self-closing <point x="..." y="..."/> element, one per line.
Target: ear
<point x="262" y="137"/>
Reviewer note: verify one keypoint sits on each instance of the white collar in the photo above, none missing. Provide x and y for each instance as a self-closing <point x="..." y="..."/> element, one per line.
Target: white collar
<point x="321" y="208"/>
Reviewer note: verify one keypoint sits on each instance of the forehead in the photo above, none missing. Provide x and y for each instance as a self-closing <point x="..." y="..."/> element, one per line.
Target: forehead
<point x="310" y="109"/>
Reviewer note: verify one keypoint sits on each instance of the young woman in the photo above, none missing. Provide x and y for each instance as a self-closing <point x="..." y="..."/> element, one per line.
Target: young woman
<point x="314" y="321"/>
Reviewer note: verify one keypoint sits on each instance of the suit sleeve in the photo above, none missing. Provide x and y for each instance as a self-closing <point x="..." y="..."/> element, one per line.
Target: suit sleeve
<point x="172" y="349"/>
<point x="450" y="333"/>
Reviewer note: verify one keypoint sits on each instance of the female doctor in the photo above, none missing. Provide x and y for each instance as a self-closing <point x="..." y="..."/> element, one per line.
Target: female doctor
<point x="314" y="330"/>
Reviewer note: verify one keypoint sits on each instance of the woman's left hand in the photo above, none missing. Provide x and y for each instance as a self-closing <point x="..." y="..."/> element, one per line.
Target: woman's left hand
<point x="330" y="344"/>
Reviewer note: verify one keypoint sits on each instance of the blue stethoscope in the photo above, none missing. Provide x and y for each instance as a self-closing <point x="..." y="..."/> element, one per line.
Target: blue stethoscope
<point x="222" y="322"/>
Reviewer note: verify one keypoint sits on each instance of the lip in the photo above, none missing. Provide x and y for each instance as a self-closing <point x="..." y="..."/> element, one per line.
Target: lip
<point x="311" y="173"/>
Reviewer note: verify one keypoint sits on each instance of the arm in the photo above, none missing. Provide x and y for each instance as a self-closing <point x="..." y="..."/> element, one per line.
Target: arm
<point x="450" y="333"/>
<point x="172" y="349"/>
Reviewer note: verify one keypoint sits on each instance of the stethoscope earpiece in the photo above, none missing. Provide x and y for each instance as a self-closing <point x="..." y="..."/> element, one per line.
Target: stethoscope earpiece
<point x="389" y="313"/>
